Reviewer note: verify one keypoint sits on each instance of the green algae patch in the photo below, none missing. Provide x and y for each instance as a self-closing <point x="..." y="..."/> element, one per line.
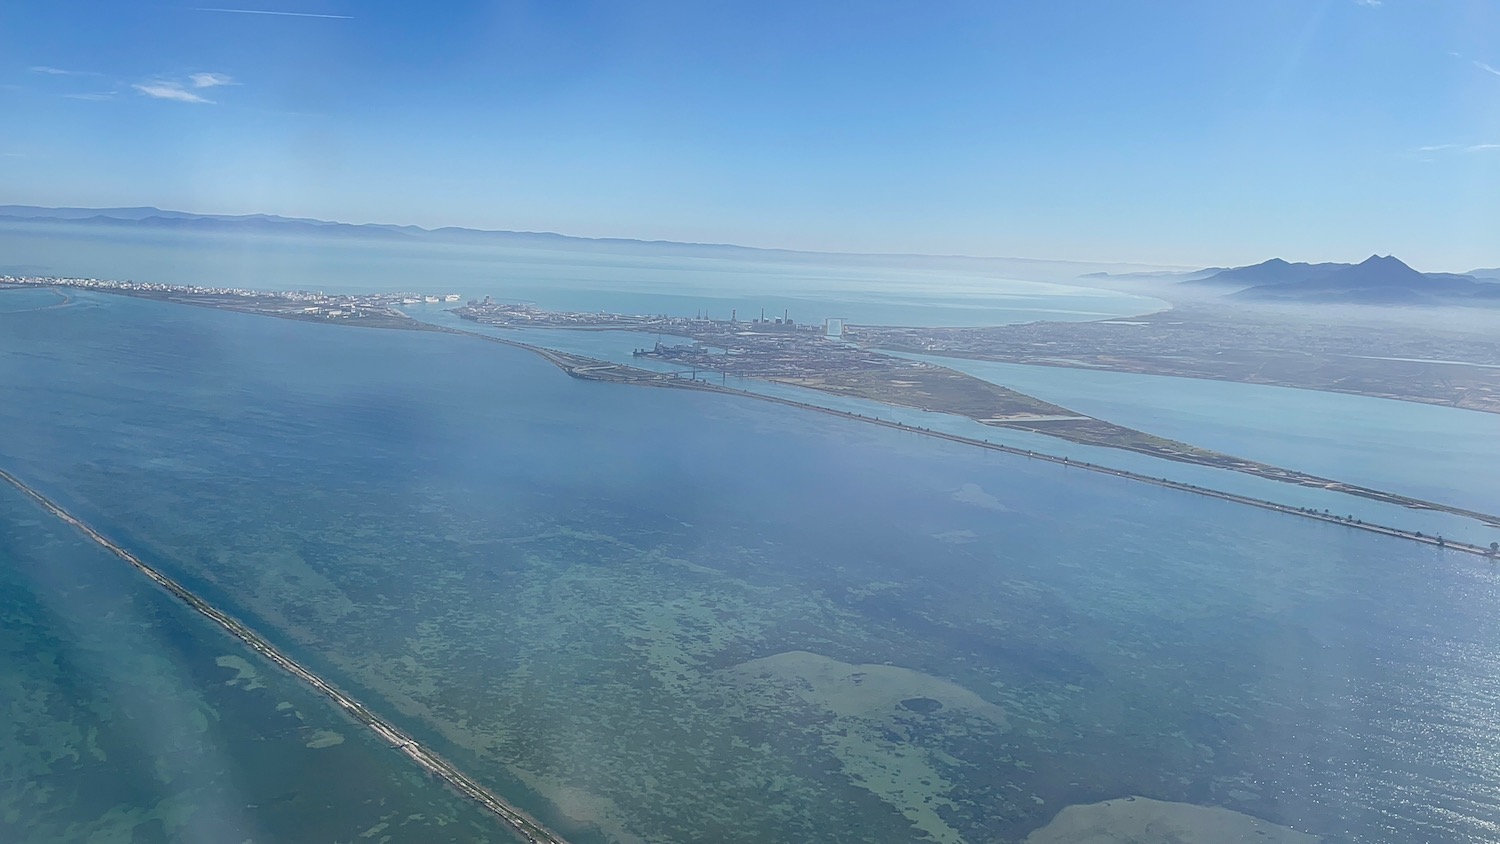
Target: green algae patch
<point x="880" y="719"/>
<point x="864" y="691"/>
<point x="245" y="674"/>
<point x="324" y="738"/>
<point x="1139" y="820"/>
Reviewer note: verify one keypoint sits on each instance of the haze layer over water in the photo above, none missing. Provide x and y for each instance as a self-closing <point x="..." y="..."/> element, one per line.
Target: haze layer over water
<point x="658" y="615"/>
<point x="671" y="279"/>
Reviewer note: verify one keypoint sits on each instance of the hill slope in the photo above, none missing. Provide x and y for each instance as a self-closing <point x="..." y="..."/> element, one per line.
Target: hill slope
<point x="1378" y="280"/>
<point x="1274" y="271"/>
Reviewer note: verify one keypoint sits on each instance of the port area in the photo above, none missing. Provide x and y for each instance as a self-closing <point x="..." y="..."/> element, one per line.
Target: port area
<point x="781" y="350"/>
<point x="761" y="347"/>
<point x="772" y="348"/>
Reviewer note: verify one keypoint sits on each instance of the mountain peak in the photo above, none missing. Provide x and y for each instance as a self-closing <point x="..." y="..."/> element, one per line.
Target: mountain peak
<point x="1377" y="280"/>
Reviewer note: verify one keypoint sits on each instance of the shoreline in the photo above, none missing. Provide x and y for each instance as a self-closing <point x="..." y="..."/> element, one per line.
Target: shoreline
<point x="1239" y="343"/>
<point x="518" y="821"/>
<point x="591" y="369"/>
<point x="1128" y="370"/>
<point x="1415" y="536"/>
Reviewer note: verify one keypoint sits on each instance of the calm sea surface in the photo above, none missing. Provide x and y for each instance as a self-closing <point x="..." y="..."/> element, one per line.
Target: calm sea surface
<point x="810" y="288"/>
<point x="652" y="615"/>
<point x="130" y="719"/>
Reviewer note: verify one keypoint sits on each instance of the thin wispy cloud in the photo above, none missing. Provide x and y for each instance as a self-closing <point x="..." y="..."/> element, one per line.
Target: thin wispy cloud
<point x="279" y="14"/>
<point x="1459" y="148"/>
<point x="1481" y="65"/>
<point x="210" y="80"/>
<point x="57" y="71"/>
<point x="184" y="90"/>
<point x="96" y="96"/>
<point x="1369" y="3"/>
<point x="166" y="90"/>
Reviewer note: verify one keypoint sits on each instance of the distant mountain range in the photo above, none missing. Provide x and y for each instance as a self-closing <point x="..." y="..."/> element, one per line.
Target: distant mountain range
<point x="146" y="218"/>
<point x="1378" y="280"/>
<point x="1274" y="271"/>
<point x="156" y="218"/>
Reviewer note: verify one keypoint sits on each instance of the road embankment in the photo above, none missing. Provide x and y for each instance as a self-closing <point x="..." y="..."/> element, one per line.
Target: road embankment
<point x="519" y="822"/>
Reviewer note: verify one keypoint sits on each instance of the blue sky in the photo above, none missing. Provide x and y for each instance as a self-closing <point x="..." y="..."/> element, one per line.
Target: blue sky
<point x="1185" y="132"/>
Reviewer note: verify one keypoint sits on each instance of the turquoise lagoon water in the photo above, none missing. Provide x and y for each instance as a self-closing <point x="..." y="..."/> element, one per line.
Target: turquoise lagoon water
<point x="810" y="287"/>
<point x="653" y="615"/>
<point x="130" y="719"/>
<point x="1437" y="453"/>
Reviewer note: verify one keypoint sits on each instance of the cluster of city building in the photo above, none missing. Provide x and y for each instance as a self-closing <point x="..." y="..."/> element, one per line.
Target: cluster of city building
<point x="276" y="301"/>
<point x="520" y="315"/>
<point x="760" y="347"/>
<point x="768" y="355"/>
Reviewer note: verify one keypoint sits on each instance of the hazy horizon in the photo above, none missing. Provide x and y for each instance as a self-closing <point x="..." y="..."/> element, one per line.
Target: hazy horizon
<point x="1177" y="135"/>
<point x="1115" y="265"/>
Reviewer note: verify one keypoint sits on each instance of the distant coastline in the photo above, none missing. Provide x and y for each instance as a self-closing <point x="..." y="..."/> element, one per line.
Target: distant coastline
<point x="157" y="219"/>
<point x="377" y="312"/>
